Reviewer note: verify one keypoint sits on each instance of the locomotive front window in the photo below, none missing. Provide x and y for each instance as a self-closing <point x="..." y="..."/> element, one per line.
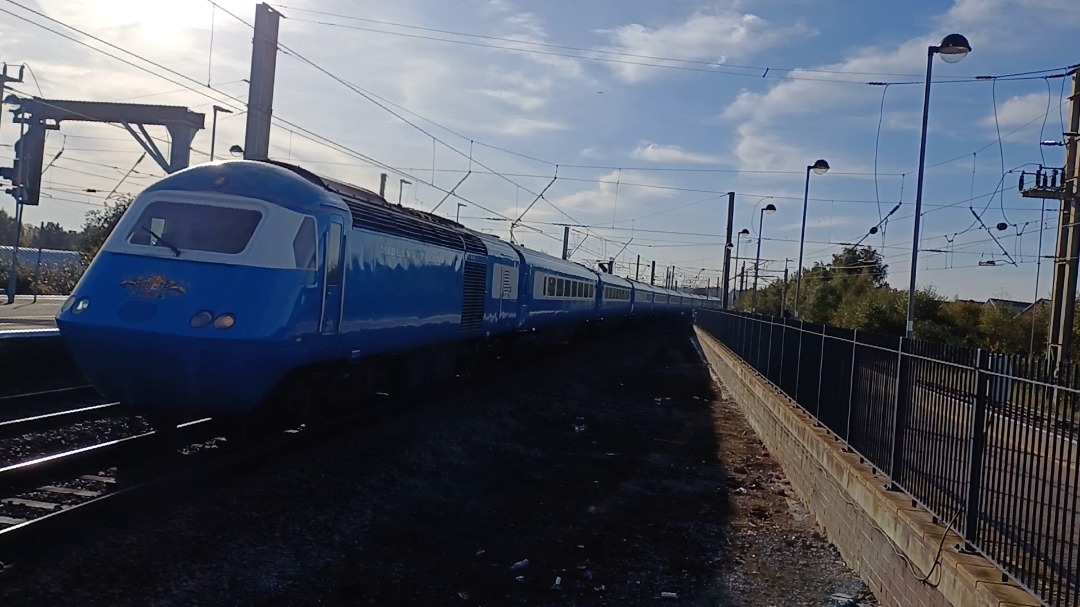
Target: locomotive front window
<point x="195" y="227"/>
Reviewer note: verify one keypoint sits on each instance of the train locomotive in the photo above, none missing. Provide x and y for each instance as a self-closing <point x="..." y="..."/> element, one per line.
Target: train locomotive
<point x="227" y="284"/>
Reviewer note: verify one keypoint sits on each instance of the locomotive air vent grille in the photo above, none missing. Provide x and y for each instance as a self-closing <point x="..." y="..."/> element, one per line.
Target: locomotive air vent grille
<point x="412" y="224"/>
<point x="472" y="300"/>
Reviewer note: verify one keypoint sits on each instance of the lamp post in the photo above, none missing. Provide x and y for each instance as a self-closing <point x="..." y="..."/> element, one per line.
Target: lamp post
<point x="213" y="128"/>
<point x="770" y="209"/>
<point x="457" y="215"/>
<point x="952" y="49"/>
<point x="401" y="186"/>
<point x="819" y="167"/>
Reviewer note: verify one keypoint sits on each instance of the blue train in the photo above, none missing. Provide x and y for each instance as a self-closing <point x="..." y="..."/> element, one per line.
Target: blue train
<point x="229" y="286"/>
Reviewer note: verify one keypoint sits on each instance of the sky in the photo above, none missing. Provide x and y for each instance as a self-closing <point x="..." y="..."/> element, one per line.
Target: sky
<point x="638" y="118"/>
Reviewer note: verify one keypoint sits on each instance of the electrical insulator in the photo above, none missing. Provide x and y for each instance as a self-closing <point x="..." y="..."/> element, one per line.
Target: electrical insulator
<point x="1002" y="226"/>
<point x="1053" y="179"/>
<point x="1039" y="178"/>
<point x="1022" y="175"/>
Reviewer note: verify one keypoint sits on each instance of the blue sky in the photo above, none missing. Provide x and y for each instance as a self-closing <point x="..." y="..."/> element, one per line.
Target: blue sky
<point x="643" y="152"/>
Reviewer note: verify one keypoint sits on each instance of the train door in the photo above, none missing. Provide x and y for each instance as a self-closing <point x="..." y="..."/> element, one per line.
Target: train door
<point x="334" y="276"/>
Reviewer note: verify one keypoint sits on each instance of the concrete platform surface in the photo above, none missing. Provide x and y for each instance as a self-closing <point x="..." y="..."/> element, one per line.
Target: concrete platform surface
<point x="25" y="313"/>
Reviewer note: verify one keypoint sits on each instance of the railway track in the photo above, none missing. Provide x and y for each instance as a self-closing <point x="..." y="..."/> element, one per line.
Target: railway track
<point x="28" y="404"/>
<point x="43" y="498"/>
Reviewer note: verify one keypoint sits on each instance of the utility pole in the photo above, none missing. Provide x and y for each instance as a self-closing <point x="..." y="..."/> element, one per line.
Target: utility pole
<point x="727" y="246"/>
<point x="652" y="278"/>
<point x="1063" y="298"/>
<point x="637" y="270"/>
<point x="13" y="273"/>
<point x="261" y="91"/>
<point x="565" y="241"/>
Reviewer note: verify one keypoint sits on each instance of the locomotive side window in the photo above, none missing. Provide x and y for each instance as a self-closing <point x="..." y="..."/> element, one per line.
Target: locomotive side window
<point x="195" y="227"/>
<point x="304" y="245"/>
<point x="333" y="254"/>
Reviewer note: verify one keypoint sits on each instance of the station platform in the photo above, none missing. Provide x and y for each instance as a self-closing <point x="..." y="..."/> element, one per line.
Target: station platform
<point x="25" y="313"/>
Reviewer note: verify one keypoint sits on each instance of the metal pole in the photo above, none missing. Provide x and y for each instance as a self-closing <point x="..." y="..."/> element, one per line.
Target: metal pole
<point x="1063" y="298"/>
<point x="264" y="46"/>
<point x="738" y="242"/>
<point x="213" y="133"/>
<point x="783" y="290"/>
<point x="910" y="327"/>
<point x="757" y="260"/>
<point x="802" y="240"/>
<point x="565" y="240"/>
<point x="13" y="273"/>
<point x="382" y="186"/>
<point x="637" y="269"/>
<point x="652" y="277"/>
<point x="37" y="271"/>
<point x="727" y="247"/>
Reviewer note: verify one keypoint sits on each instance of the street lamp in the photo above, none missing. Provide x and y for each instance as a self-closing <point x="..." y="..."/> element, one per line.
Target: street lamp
<point x="770" y="209"/>
<point x="401" y="186"/>
<point x="457" y="215"/>
<point x="952" y="49"/>
<point x="213" y="128"/>
<point x="820" y="167"/>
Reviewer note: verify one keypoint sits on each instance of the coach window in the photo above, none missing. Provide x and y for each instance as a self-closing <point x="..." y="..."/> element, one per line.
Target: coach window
<point x="304" y="245"/>
<point x="333" y="254"/>
<point x="550" y="286"/>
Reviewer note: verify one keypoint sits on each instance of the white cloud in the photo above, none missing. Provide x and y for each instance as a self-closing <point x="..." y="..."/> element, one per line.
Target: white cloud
<point x="1018" y="110"/>
<point x="591" y="152"/>
<point x="658" y="152"/>
<point x="519" y="100"/>
<point x="606" y="197"/>
<point x="521" y="126"/>
<point x="715" y="37"/>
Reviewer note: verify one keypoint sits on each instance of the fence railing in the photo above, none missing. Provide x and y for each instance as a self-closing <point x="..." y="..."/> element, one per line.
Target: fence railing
<point x="986" y="442"/>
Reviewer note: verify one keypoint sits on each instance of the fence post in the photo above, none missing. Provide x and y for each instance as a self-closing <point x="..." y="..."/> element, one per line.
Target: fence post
<point x="768" y="355"/>
<point x="798" y="366"/>
<point x="820" y="371"/>
<point x="903" y="397"/>
<point x="851" y="388"/>
<point x="978" y="449"/>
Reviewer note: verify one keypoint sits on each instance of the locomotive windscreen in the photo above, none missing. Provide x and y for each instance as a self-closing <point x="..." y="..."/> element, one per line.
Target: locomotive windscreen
<point x="195" y="227"/>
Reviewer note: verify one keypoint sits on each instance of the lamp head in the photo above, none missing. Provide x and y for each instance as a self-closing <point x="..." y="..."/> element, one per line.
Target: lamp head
<point x="770" y="208"/>
<point x="744" y="231"/>
<point x="820" y="167"/>
<point x="953" y="48"/>
<point x="223" y="110"/>
<point x="235" y="149"/>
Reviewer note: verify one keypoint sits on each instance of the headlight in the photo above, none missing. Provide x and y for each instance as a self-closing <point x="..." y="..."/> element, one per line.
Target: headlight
<point x="81" y="305"/>
<point x="201" y="319"/>
<point x="67" y="303"/>
<point x="224" y="321"/>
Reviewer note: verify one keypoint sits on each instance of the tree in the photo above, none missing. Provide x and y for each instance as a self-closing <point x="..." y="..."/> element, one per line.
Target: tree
<point x="862" y="261"/>
<point x="99" y="224"/>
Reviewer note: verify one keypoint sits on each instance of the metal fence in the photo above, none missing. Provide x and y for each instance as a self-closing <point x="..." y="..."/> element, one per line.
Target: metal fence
<point x="986" y="442"/>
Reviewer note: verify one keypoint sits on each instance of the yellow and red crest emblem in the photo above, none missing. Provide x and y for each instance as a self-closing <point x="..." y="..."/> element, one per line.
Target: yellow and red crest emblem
<point x="154" y="286"/>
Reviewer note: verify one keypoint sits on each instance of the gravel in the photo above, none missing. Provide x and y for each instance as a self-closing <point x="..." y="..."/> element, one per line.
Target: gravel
<point x="607" y="472"/>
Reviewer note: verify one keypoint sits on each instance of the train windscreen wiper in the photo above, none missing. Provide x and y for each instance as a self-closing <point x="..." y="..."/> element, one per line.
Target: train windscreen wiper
<point x="163" y="241"/>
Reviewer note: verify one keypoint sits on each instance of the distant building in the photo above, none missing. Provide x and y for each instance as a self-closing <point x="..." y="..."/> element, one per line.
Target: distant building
<point x="1016" y="307"/>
